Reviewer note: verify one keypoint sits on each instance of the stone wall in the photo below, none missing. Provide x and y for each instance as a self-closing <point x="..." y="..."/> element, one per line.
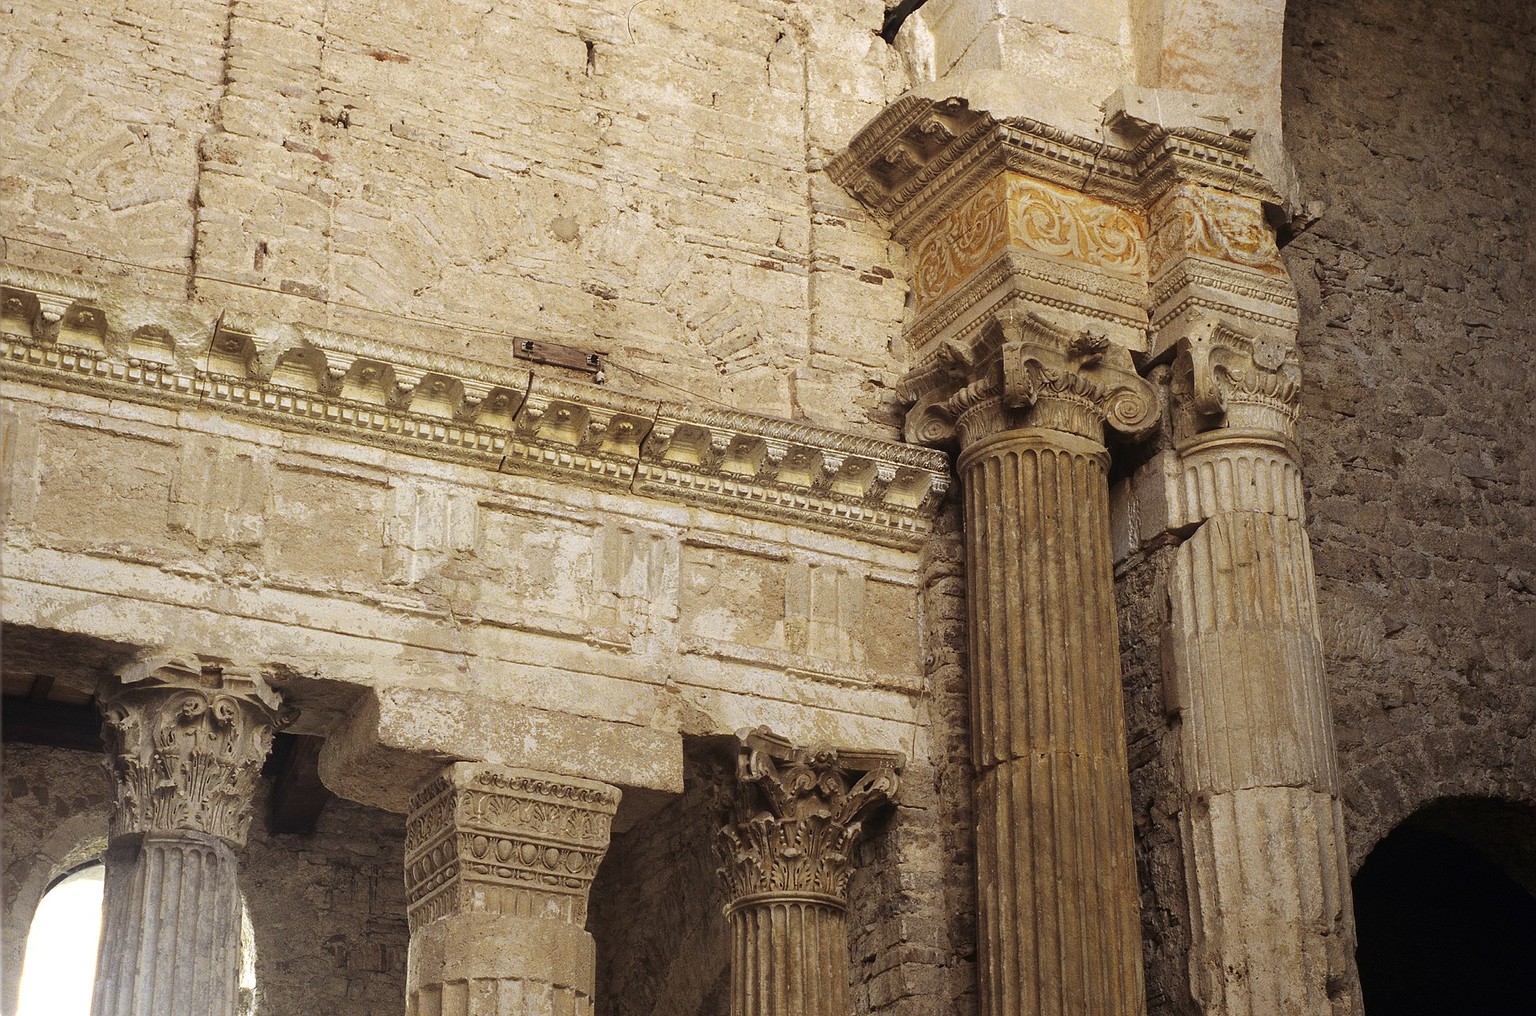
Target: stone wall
<point x="1410" y="123"/>
<point x="663" y="946"/>
<point x="641" y="180"/>
<point x="327" y="908"/>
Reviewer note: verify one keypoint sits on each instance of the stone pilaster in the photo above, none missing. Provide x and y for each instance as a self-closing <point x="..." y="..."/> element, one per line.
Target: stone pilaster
<point x="1262" y="824"/>
<point x="498" y="865"/>
<point x="786" y="857"/>
<point x="184" y="748"/>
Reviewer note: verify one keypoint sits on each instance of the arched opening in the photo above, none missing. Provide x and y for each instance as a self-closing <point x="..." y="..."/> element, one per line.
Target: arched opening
<point x="60" y="966"/>
<point x="1445" y="910"/>
<point x="59" y="971"/>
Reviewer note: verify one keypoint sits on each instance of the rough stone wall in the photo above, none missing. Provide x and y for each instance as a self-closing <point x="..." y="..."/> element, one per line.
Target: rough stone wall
<point x="327" y="908"/>
<point x="912" y="912"/>
<point x="639" y="179"/>
<point x="1411" y="122"/>
<point x="1141" y="599"/>
<point x="663" y="945"/>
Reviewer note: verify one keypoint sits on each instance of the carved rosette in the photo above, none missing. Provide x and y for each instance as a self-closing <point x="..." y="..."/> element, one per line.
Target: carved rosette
<point x="507" y="841"/>
<point x="797" y="816"/>
<point x="185" y="743"/>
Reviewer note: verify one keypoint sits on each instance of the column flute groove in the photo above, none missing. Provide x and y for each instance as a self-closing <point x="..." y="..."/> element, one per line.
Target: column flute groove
<point x="1262" y="826"/>
<point x="786" y="856"/>
<point x="184" y="747"/>
<point x="1059" y="930"/>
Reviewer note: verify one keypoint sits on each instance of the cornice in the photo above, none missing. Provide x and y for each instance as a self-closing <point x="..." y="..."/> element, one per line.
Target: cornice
<point x="912" y="164"/>
<point x="363" y="389"/>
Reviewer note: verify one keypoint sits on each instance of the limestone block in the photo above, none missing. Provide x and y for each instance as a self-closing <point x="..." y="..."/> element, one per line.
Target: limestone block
<point x="397" y="734"/>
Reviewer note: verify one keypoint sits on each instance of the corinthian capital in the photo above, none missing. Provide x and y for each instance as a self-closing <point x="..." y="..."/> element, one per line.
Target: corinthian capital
<point x="797" y="816"/>
<point x="1027" y="370"/>
<point x="185" y="743"/>
<point x="1076" y="381"/>
<point x="1224" y="379"/>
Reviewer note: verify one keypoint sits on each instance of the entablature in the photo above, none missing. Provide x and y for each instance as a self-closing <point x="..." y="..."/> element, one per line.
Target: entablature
<point x="58" y="332"/>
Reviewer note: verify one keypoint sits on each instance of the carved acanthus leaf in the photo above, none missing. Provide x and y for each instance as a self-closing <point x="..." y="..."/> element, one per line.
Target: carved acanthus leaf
<point x="1226" y="378"/>
<point x="1044" y="362"/>
<point x="797" y="816"/>
<point x="185" y="743"/>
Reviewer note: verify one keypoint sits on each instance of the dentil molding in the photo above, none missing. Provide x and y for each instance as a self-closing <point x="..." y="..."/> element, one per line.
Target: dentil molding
<point x="59" y="333"/>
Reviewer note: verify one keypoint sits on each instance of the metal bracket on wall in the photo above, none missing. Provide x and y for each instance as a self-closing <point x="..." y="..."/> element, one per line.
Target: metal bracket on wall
<point x="556" y="355"/>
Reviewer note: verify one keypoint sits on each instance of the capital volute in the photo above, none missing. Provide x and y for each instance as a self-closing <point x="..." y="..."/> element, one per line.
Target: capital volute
<point x="797" y="814"/>
<point x="185" y="741"/>
<point x="1026" y="370"/>
<point x="1225" y="379"/>
<point x="1078" y="381"/>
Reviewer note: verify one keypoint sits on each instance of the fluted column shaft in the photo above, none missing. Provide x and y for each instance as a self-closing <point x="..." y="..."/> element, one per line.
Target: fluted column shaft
<point x="498" y="866"/>
<point x="171" y="927"/>
<point x="1263" y="825"/>
<point x="1058" y="929"/>
<point x="786" y="856"/>
<point x="789" y="957"/>
<point x="185" y="746"/>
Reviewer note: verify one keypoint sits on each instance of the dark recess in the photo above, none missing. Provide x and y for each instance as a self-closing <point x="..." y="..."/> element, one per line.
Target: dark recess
<point x="1443" y="931"/>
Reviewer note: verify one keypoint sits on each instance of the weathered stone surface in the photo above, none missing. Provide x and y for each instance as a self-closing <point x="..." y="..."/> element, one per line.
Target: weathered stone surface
<point x="1417" y="309"/>
<point x="498" y="864"/>
<point x="185" y="741"/>
<point x="272" y="278"/>
<point x="327" y="909"/>
<point x="786" y="853"/>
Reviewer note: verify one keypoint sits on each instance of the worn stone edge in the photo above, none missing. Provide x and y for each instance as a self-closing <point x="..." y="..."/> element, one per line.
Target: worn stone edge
<point x="56" y="335"/>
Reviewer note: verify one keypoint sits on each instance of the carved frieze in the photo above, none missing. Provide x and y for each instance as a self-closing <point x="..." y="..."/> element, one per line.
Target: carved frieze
<point x="1030" y="216"/>
<point x="508" y="841"/>
<point x="185" y="743"/>
<point x="1133" y="242"/>
<point x="797" y="815"/>
<point x="1190" y="220"/>
<point x="446" y="407"/>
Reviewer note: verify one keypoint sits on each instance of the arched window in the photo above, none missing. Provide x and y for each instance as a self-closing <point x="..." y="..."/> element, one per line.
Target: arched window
<point x="59" y="970"/>
<point x="60" y="966"/>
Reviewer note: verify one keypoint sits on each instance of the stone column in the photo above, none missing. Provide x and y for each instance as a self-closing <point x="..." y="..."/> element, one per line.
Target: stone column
<point x="1262" y="823"/>
<point x="786" y="857"/>
<point x="1058" y="929"/>
<point x="184" y="748"/>
<point x="1043" y="261"/>
<point x="498" y="864"/>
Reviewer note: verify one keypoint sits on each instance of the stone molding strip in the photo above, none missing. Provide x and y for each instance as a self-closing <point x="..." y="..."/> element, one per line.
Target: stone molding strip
<point x="919" y="145"/>
<point x="57" y="334"/>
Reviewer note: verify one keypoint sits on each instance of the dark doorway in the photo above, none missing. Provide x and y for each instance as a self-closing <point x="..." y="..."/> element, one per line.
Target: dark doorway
<point x="1446" y="914"/>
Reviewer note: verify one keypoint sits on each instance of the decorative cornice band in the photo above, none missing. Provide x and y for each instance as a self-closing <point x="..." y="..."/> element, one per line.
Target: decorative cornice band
<point x="56" y="335"/>
<point x="922" y="146"/>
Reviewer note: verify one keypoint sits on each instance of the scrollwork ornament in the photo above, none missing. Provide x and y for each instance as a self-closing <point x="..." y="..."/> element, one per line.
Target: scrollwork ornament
<point x="798" y="814"/>
<point x="185" y="745"/>
<point x="1080" y="381"/>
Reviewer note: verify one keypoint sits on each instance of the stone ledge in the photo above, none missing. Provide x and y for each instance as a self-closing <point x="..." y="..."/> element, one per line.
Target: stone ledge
<point x="56" y="334"/>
